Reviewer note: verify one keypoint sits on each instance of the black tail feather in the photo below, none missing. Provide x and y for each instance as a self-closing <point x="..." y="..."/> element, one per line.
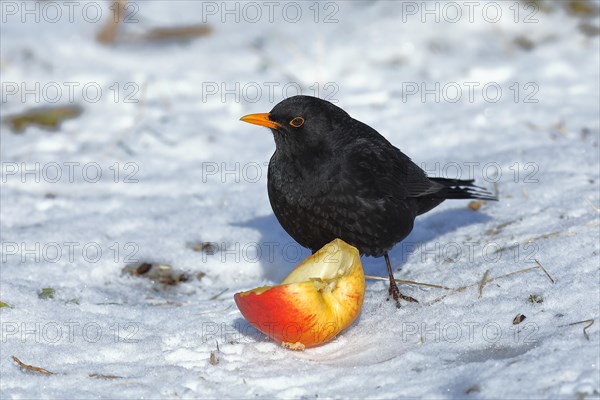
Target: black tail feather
<point x="461" y="189"/>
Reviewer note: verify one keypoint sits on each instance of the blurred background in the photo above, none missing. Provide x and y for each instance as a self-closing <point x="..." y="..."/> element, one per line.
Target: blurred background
<point x="130" y="110"/>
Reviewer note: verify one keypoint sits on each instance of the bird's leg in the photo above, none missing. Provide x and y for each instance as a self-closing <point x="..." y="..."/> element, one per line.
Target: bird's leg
<point x="393" y="290"/>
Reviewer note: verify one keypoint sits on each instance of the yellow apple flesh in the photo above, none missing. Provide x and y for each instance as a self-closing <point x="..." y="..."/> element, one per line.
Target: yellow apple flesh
<point x="316" y="301"/>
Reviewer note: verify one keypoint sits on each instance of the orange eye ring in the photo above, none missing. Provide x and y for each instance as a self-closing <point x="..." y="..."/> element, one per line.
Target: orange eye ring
<point x="297" y="122"/>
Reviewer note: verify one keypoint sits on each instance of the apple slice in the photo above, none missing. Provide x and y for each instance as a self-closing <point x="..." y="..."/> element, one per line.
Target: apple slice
<point x="316" y="301"/>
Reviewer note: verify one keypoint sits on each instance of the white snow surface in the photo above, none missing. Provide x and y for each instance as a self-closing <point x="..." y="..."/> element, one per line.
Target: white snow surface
<point x="199" y="175"/>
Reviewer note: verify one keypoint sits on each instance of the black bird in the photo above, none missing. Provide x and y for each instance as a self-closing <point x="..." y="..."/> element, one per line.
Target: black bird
<point x="332" y="176"/>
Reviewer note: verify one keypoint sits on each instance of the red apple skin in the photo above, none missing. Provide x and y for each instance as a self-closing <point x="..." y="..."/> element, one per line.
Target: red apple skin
<point x="307" y="313"/>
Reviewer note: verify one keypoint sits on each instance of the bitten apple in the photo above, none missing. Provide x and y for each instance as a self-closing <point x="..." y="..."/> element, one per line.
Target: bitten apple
<point x="317" y="300"/>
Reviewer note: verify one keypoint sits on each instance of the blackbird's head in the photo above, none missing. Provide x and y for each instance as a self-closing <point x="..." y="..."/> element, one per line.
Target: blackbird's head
<point x="302" y="123"/>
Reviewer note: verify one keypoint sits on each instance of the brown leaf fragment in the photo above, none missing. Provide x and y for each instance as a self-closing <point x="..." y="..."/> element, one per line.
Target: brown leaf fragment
<point x="49" y="118"/>
<point x="213" y="358"/>
<point x="178" y="33"/>
<point x="31" y="368"/>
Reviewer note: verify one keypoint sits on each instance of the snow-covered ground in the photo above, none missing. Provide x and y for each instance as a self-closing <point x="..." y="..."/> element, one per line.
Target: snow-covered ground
<point x="178" y="169"/>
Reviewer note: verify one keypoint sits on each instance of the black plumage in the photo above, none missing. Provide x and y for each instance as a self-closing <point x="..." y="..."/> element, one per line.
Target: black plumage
<point x="332" y="176"/>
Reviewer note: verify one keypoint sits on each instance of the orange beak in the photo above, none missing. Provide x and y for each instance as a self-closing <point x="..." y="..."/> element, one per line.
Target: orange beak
<point x="260" y="119"/>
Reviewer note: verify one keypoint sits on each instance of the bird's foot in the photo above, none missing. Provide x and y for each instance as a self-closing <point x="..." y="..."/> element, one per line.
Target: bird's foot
<point x="396" y="295"/>
<point x="394" y="291"/>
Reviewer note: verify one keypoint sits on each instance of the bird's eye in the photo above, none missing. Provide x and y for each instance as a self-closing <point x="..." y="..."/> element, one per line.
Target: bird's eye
<point x="297" y="122"/>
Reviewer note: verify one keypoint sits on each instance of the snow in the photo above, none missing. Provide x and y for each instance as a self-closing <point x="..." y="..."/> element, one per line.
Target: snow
<point x="189" y="171"/>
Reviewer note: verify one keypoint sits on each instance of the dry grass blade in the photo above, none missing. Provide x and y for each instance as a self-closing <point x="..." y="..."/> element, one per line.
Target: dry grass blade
<point x="594" y="206"/>
<point x="483" y="282"/>
<point x="380" y="278"/>
<point x="461" y="289"/>
<point x="213" y="359"/>
<point x="542" y="237"/>
<point x="497" y="229"/>
<point x="31" y="368"/>
<point x="215" y="312"/>
<point x="216" y="296"/>
<point x="586" y="327"/>
<point x="589" y="322"/>
<point x="510" y="274"/>
<point x="105" y="377"/>
<point x="546" y="272"/>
